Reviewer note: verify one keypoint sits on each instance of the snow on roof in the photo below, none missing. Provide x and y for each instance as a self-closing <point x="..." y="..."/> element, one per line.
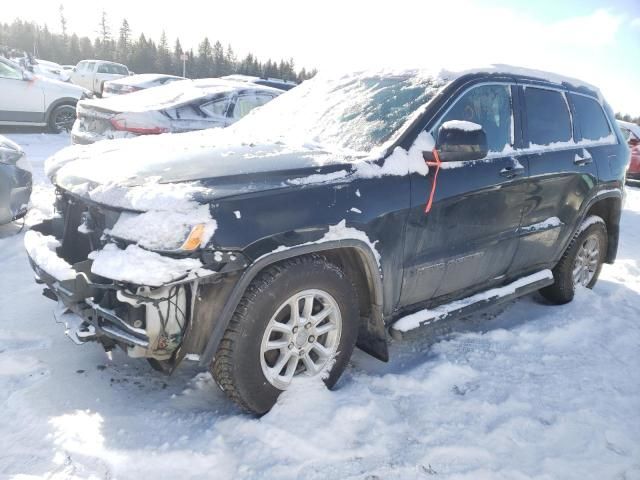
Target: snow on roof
<point x="522" y="71"/>
<point x="141" y="78"/>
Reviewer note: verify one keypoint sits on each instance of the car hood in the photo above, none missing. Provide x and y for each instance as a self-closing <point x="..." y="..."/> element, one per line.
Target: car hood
<point x="204" y="157"/>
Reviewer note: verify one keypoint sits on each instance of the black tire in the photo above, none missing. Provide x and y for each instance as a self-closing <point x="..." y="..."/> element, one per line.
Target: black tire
<point x="563" y="289"/>
<point x="237" y="365"/>
<point x="61" y="118"/>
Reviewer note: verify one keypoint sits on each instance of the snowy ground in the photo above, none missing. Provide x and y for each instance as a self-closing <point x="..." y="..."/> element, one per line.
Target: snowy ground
<point x="533" y="392"/>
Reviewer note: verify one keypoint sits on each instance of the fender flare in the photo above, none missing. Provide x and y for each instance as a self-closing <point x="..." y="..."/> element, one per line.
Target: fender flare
<point x="613" y="229"/>
<point x="372" y="272"/>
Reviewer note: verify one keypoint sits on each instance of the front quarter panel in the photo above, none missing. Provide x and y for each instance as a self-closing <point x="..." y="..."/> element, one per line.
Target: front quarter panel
<point x="264" y="223"/>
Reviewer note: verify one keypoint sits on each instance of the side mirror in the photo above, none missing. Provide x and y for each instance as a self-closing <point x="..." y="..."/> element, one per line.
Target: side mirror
<point x="27" y="76"/>
<point x="461" y="141"/>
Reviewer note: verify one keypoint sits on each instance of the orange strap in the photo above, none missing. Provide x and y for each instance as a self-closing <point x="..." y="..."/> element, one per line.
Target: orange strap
<point x="435" y="179"/>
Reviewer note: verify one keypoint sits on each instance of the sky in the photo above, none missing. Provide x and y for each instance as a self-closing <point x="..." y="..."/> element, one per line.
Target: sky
<point x="595" y="41"/>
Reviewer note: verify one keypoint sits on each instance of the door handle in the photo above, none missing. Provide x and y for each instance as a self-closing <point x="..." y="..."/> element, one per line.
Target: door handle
<point x="582" y="160"/>
<point x="512" y="172"/>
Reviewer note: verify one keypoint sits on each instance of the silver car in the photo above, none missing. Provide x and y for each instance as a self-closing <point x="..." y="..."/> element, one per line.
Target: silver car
<point x="15" y="181"/>
<point x="180" y="106"/>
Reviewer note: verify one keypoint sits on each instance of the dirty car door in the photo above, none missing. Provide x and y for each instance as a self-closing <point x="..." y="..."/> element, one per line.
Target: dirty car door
<point x="469" y="237"/>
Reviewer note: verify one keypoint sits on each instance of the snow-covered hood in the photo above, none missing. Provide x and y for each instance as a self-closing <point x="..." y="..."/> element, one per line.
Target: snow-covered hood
<point x="186" y="158"/>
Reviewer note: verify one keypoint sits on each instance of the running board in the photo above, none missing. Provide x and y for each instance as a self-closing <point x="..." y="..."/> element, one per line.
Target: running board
<point x="466" y="306"/>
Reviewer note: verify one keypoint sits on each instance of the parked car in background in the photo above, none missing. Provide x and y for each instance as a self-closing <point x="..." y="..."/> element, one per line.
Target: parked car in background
<point x="28" y="99"/>
<point x="178" y="107"/>
<point x="15" y="181"/>
<point x="133" y="83"/>
<point x="350" y="207"/>
<point x="266" y="81"/>
<point x="92" y="74"/>
<point x="51" y="70"/>
<point x="631" y="133"/>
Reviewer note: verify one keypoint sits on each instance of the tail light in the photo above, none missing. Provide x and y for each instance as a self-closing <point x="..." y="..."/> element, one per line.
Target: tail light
<point x="136" y="125"/>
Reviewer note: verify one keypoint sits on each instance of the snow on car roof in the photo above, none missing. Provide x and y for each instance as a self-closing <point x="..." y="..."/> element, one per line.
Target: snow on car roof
<point x="141" y="78"/>
<point x="170" y="95"/>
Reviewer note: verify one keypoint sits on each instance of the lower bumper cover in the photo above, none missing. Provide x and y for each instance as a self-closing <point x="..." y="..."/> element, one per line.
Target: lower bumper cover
<point x="77" y="294"/>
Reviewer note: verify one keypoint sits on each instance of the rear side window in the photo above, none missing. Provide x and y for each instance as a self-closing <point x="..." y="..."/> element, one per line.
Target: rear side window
<point x="246" y="103"/>
<point x="217" y="108"/>
<point x="547" y="116"/>
<point x="590" y="117"/>
<point x="488" y="106"/>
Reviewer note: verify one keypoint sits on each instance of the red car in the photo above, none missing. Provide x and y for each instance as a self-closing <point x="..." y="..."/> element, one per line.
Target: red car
<point x="631" y="132"/>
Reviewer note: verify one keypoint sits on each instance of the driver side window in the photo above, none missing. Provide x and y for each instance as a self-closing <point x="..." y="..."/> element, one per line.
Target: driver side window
<point x="490" y="107"/>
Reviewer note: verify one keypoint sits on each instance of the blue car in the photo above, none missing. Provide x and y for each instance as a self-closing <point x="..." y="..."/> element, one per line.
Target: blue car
<point x="15" y="181"/>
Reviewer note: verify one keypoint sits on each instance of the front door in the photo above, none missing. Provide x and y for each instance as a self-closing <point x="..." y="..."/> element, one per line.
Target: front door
<point x="469" y="237"/>
<point x="21" y="100"/>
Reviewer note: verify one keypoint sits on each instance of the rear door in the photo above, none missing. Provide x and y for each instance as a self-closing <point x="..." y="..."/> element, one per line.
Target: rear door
<point x="469" y="237"/>
<point x="562" y="176"/>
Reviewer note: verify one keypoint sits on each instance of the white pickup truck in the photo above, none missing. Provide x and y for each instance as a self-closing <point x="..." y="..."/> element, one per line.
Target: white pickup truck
<point x="92" y="74"/>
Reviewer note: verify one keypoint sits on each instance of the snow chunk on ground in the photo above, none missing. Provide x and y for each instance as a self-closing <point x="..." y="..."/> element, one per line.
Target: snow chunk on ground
<point x="461" y="125"/>
<point x="140" y="266"/>
<point x="42" y="249"/>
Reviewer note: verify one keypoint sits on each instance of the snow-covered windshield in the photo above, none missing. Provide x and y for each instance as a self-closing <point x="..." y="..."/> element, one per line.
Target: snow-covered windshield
<point x="356" y="112"/>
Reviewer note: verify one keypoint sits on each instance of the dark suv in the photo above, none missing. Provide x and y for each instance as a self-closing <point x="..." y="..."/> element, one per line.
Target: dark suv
<point x="346" y="210"/>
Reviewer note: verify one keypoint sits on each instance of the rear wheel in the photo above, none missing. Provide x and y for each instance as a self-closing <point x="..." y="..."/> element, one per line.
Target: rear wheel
<point x="581" y="263"/>
<point x="62" y="118"/>
<point x="296" y="318"/>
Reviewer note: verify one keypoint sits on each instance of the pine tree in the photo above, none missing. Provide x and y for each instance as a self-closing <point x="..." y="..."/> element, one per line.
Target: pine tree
<point x="163" y="64"/>
<point x="104" y="43"/>
<point x="177" y="58"/>
<point x="124" y="42"/>
<point x="204" y="62"/>
<point x="63" y="22"/>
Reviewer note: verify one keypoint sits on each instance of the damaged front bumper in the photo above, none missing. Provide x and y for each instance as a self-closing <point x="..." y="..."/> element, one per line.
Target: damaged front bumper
<point x="145" y="321"/>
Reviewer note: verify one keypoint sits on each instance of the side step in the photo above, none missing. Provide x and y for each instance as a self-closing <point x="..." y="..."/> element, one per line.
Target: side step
<point x="469" y="305"/>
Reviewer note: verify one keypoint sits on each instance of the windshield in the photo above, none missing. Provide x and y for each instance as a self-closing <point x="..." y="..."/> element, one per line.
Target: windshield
<point x="357" y="112"/>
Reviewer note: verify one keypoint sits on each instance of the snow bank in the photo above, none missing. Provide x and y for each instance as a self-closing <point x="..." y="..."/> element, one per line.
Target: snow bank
<point x="140" y="266"/>
<point x="42" y="249"/>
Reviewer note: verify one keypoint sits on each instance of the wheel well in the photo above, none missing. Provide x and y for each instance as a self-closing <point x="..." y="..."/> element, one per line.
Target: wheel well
<point x="62" y="101"/>
<point x="372" y="335"/>
<point x="609" y="210"/>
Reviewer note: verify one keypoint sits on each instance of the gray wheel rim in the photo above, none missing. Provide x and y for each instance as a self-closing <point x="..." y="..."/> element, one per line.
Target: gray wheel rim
<point x="64" y="118"/>
<point x="301" y="337"/>
<point x="587" y="261"/>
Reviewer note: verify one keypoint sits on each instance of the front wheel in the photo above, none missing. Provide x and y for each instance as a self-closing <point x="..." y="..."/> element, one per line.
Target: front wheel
<point x="296" y="318"/>
<point x="62" y="118"/>
<point x="581" y="263"/>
